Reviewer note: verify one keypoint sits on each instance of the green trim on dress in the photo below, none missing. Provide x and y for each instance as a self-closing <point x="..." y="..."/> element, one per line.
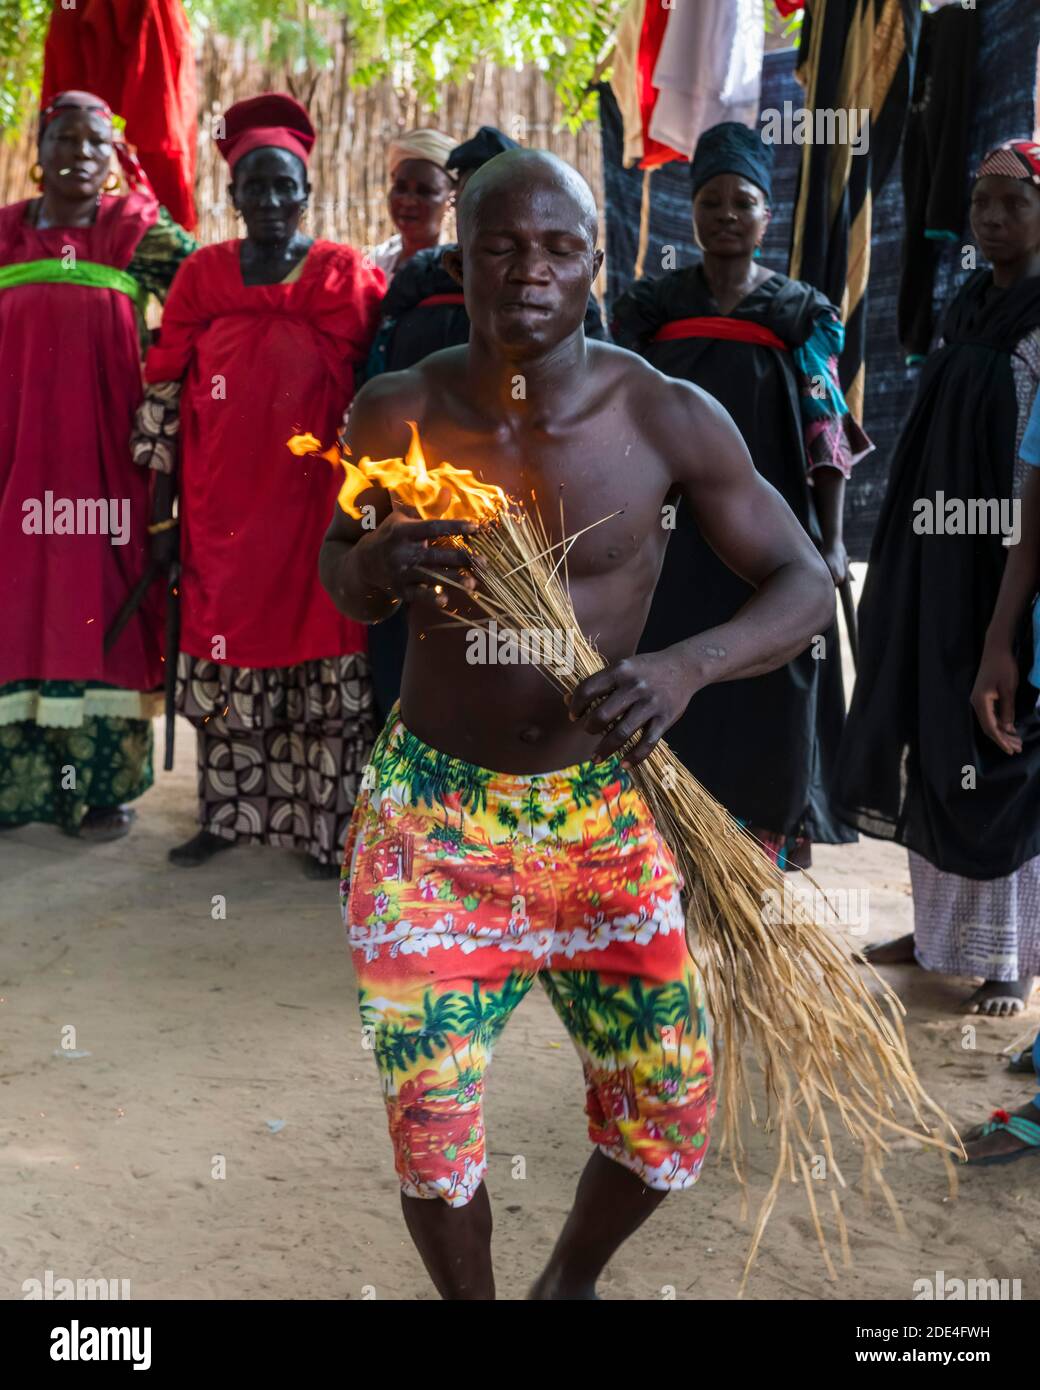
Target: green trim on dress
<point x="69" y="704"/>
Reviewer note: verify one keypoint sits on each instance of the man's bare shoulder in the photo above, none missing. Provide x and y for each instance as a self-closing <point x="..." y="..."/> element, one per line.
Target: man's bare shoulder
<point x="390" y="393"/>
<point x="663" y="402"/>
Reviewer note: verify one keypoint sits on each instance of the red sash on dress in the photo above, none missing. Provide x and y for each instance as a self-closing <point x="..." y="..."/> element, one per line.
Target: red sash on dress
<point x="734" y="330"/>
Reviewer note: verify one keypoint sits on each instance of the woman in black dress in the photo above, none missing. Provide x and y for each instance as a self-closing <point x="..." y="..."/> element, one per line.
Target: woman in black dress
<point x="766" y="347"/>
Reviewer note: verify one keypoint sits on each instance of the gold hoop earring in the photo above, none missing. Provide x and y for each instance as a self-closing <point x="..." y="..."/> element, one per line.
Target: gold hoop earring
<point x="36" y="174"/>
<point x="111" y="184"/>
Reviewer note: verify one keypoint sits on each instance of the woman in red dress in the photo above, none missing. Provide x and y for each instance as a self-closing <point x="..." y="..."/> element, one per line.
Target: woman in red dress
<point x="76" y="266"/>
<point x="264" y="334"/>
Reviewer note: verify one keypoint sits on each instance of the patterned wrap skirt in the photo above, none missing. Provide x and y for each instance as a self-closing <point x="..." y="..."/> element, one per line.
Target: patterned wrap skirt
<point x="281" y="751"/>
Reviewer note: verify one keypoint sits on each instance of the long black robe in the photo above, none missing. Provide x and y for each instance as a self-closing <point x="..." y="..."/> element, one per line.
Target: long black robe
<point x="764" y="747"/>
<point x="912" y="739"/>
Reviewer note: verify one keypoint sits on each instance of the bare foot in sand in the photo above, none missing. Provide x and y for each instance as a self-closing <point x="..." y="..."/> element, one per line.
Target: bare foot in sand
<point x="999" y="998"/>
<point x="897" y="952"/>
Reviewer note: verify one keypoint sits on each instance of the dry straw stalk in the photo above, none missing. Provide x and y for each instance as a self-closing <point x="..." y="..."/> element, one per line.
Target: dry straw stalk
<point x="784" y="993"/>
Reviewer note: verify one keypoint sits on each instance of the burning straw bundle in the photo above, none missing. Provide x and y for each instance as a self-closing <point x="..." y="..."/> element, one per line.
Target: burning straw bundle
<point x="783" y="990"/>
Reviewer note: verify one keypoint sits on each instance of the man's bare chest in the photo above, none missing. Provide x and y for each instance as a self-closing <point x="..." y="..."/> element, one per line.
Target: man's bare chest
<point x="607" y="496"/>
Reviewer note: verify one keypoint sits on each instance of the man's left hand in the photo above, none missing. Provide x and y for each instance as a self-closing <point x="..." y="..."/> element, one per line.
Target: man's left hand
<point x="648" y="692"/>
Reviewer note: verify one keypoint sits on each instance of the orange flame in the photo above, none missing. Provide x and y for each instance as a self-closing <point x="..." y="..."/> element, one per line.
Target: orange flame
<point x="442" y="492"/>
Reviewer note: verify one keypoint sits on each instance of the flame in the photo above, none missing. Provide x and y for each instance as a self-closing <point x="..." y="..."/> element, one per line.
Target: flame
<point x="442" y="492"/>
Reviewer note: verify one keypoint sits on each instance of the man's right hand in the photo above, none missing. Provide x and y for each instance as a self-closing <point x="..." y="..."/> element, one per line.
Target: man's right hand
<point x="398" y="555"/>
<point x="993" y="697"/>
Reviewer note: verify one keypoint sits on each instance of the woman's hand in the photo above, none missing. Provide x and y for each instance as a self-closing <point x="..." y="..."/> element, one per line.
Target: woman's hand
<point x="993" y="696"/>
<point x="837" y="559"/>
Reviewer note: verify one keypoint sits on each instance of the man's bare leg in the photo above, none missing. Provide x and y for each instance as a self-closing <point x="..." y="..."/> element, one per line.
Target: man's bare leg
<point x="455" y="1244"/>
<point x="609" y="1205"/>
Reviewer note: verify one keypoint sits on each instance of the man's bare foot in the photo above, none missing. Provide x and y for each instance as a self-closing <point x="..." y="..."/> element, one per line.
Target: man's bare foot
<point x="981" y="1147"/>
<point x="999" y="998"/>
<point x="198" y="850"/>
<point x="897" y="952"/>
<point x="101" y="823"/>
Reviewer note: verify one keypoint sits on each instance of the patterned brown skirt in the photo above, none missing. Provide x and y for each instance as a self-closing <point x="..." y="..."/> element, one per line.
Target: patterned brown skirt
<point x="281" y="751"/>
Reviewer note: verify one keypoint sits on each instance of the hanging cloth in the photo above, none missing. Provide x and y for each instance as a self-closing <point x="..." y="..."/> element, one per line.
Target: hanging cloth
<point x="139" y="56"/>
<point x="854" y="56"/>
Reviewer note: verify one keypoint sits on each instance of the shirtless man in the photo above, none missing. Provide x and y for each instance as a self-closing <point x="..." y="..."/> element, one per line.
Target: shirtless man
<point x="474" y="866"/>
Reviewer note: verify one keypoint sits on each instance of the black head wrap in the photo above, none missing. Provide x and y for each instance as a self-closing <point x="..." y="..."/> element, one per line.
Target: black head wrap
<point x="732" y="148"/>
<point x="471" y="154"/>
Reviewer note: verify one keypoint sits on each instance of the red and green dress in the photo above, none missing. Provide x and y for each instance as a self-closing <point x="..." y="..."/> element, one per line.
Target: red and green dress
<point x="75" y="728"/>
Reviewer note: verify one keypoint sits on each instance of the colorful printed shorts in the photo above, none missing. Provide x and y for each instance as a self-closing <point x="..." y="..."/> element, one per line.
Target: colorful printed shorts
<point x="461" y="888"/>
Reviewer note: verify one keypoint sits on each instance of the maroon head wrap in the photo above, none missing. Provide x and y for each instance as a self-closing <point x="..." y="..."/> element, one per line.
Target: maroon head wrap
<point x="73" y="101"/>
<point x="272" y="119"/>
<point x="87" y="101"/>
<point x="1014" y="159"/>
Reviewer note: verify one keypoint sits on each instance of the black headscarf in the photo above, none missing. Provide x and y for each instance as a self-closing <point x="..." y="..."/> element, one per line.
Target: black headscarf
<point x="471" y="154"/>
<point x="732" y="148"/>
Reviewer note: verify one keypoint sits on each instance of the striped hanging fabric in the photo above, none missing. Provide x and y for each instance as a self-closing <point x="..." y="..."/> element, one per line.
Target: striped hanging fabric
<point x="855" y="56"/>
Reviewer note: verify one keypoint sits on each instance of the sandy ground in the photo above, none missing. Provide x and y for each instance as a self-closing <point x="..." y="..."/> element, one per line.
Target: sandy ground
<point x="202" y="1034"/>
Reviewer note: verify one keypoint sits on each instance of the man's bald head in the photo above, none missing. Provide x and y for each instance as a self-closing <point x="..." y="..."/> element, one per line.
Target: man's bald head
<point x="527" y="255"/>
<point x="515" y="176"/>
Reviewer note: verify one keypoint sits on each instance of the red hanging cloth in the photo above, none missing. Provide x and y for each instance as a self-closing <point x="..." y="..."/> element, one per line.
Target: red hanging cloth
<point x="655" y="22"/>
<point x="138" y="56"/>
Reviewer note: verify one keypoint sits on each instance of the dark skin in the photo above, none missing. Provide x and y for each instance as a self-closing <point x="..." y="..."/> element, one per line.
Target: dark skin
<point x="730" y="219"/>
<point x="602" y="430"/>
<point x="418" y="199"/>
<point x="1006" y="219"/>
<point x="75" y="155"/>
<point x="977" y="1145"/>
<point x="269" y="190"/>
<point x="1005" y="222"/>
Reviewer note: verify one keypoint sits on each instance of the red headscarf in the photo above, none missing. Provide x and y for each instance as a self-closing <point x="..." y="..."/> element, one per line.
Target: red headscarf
<point x="1014" y="159"/>
<point x="272" y="119"/>
<point x="73" y="101"/>
<point x="87" y="101"/>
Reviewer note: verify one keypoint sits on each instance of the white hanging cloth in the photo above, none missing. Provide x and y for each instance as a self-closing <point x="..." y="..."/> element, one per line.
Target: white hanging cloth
<point x="709" y="69"/>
